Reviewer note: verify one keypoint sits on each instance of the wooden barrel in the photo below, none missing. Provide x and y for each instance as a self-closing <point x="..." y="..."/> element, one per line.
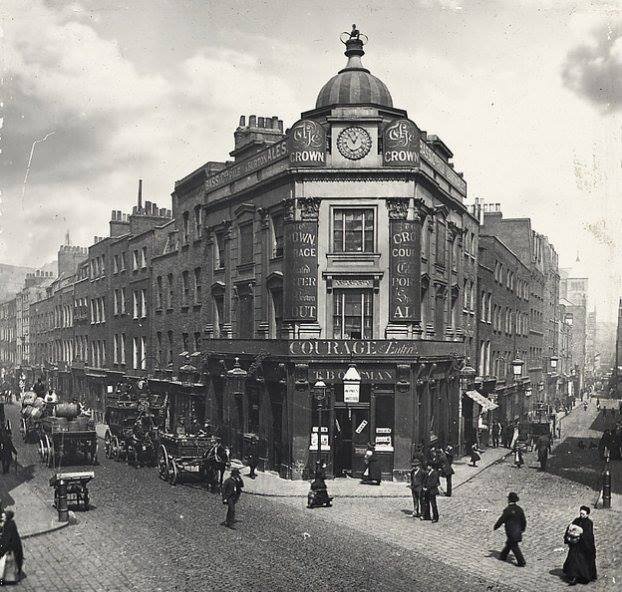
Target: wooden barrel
<point x="39" y="402"/>
<point x="68" y="410"/>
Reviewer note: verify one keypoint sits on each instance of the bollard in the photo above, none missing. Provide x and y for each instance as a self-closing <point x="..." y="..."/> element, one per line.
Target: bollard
<point x="607" y="485"/>
<point x="63" y="510"/>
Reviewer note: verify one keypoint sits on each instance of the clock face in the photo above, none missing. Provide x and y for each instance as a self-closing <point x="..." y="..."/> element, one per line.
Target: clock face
<point x="354" y="142"/>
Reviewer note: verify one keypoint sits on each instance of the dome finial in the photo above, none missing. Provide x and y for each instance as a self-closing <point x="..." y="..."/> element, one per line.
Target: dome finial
<point x="354" y="42"/>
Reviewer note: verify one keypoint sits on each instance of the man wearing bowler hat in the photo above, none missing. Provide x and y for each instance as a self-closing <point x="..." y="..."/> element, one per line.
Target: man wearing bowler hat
<point x="231" y="491"/>
<point x="515" y="523"/>
<point x="416" y="485"/>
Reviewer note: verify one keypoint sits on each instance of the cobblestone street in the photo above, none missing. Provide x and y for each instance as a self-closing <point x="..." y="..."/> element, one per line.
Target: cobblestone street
<point x="143" y="534"/>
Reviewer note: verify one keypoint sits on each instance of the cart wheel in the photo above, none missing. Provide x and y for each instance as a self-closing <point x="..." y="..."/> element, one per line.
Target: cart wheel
<point x="163" y="463"/>
<point x="174" y="472"/>
<point x="108" y="444"/>
<point x="42" y="450"/>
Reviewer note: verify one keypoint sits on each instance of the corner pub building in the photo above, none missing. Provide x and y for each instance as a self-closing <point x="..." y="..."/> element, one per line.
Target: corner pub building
<point x="343" y="241"/>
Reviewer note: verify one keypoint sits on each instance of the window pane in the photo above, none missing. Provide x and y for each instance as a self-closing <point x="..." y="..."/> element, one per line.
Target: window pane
<point x="338" y="231"/>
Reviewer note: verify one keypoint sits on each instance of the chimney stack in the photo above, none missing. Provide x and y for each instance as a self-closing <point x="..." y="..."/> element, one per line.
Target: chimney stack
<point x="140" y="194"/>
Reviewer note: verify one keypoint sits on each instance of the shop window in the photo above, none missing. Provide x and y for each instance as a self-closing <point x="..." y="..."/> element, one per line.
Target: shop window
<point x="352" y="314"/>
<point x="253" y="411"/>
<point x="353" y="230"/>
<point x="384" y="422"/>
<point x="246" y="243"/>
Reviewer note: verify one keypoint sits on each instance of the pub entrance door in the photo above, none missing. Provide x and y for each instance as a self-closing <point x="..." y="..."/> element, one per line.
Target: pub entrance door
<point x="351" y="436"/>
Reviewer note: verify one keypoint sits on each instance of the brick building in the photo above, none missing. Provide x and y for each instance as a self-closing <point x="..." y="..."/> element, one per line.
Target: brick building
<point x="8" y="330"/>
<point x="503" y="328"/>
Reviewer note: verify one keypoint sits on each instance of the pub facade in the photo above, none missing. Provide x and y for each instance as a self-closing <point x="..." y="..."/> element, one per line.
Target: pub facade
<point x="339" y="248"/>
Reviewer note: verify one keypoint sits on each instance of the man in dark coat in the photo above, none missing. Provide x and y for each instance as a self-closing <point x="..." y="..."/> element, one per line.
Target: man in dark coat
<point x="542" y="446"/>
<point x="231" y="492"/>
<point x="448" y="469"/>
<point x="431" y="483"/>
<point x="7" y="450"/>
<point x="39" y="388"/>
<point x="580" y="565"/>
<point x="416" y="485"/>
<point x="515" y="523"/>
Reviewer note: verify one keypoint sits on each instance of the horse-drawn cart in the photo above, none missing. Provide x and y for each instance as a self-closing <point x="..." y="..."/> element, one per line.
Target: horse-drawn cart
<point x="180" y="456"/>
<point x="62" y="438"/>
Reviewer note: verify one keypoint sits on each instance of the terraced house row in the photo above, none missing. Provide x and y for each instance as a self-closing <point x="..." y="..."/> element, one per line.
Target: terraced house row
<point x="325" y="288"/>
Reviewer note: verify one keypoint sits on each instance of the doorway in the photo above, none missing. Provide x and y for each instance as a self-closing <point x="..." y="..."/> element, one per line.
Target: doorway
<point x="351" y="436"/>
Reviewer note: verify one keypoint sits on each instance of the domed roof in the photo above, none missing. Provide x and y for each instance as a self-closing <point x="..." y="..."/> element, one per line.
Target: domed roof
<point x="354" y="85"/>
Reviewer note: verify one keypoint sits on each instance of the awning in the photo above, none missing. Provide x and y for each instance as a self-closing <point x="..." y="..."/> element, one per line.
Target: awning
<point x="483" y="402"/>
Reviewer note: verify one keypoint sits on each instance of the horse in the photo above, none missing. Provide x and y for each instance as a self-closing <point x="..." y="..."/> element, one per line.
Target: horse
<point x="216" y="460"/>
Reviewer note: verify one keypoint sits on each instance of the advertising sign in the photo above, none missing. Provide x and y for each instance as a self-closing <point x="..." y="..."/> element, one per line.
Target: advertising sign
<point x="306" y="144"/>
<point x="300" y="289"/>
<point x="351" y="392"/>
<point x="401" y="141"/>
<point x="404" y="270"/>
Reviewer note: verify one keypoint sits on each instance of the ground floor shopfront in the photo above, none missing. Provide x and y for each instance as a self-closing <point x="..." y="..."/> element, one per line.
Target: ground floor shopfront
<point x="408" y="396"/>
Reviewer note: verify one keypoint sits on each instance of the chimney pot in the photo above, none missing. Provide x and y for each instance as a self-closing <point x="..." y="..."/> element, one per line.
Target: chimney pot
<point x="252" y="121"/>
<point x="275" y="122"/>
<point x="260" y="121"/>
<point x="242" y="121"/>
<point x="140" y="194"/>
<point x="281" y="125"/>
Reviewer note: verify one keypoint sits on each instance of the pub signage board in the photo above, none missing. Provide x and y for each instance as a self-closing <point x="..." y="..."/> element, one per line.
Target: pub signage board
<point x="301" y="259"/>
<point x="404" y="270"/>
<point x="401" y="141"/>
<point x="361" y="348"/>
<point x="306" y="144"/>
<point x="351" y="392"/>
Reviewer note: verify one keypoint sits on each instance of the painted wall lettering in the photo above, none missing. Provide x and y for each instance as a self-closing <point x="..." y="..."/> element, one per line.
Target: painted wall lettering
<point x="300" y="289"/>
<point x="404" y="270"/>
<point x="401" y="144"/>
<point x="306" y="144"/>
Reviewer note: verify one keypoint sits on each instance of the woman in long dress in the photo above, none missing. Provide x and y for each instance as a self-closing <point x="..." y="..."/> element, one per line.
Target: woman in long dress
<point x="580" y="565"/>
<point x="11" y="551"/>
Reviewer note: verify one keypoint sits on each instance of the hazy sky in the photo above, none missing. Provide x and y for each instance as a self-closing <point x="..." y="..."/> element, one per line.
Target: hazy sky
<point x="528" y="95"/>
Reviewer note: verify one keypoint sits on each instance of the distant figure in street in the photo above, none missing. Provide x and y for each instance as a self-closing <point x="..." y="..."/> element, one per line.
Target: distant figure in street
<point x="231" y="492"/>
<point x="584" y="405"/>
<point x="506" y="434"/>
<point x="431" y="483"/>
<point x="518" y="455"/>
<point x="475" y="454"/>
<point x="580" y="565"/>
<point x="542" y="446"/>
<point x="515" y="523"/>
<point x="180" y="430"/>
<point x="318" y="494"/>
<point x="252" y="457"/>
<point x="11" y="550"/>
<point x="39" y="388"/>
<point x="597" y="403"/>
<point x="449" y="469"/>
<point x="496" y="432"/>
<point x="372" y="472"/>
<point x="417" y="477"/>
<point x="7" y="450"/>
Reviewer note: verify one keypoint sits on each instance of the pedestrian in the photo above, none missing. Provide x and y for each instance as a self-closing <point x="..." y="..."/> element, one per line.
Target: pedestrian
<point x="372" y="472"/>
<point x="417" y="476"/>
<point x="496" y="432"/>
<point x="318" y="492"/>
<point x="39" y="388"/>
<point x="598" y="403"/>
<point x="518" y="455"/>
<point x="11" y="550"/>
<point x="7" y="450"/>
<point x="475" y="454"/>
<point x="513" y="518"/>
<point x="253" y="456"/>
<point x="231" y="492"/>
<point x="449" y="469"/>
<point x="542" y="446"/>
<point x="584" y="405"/>
<point x="506" y="435"/>
<point x="580" y="565"/>
<point x="431" y="483"/>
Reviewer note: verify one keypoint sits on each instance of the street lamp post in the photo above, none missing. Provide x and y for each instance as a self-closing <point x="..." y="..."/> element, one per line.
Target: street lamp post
<point x="319" y="394"/>
<point x="467" y="374"/>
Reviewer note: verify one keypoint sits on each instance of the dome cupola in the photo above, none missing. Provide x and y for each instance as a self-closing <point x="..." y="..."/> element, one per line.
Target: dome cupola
<point x="354" y="85"/>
